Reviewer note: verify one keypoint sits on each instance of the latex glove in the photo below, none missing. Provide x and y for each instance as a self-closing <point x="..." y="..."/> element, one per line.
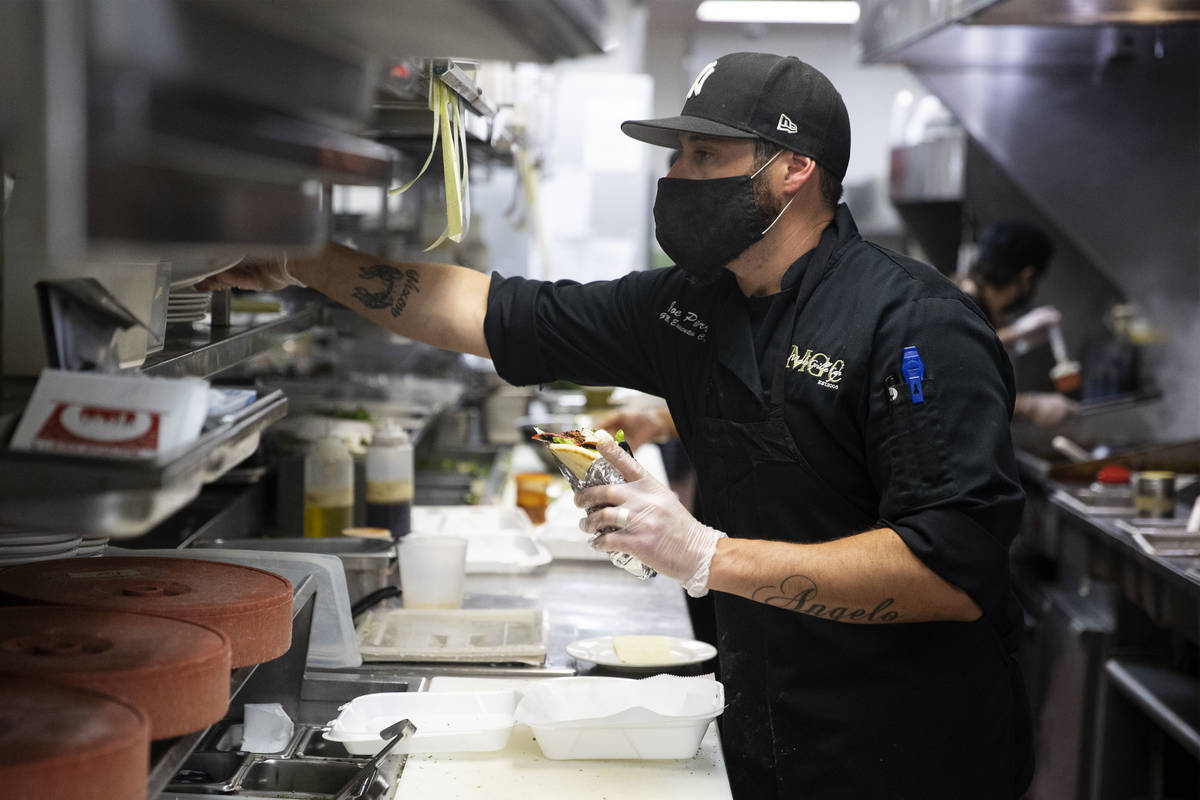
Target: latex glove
<point x="640" y="425"/>
<point x="658" y="529"/>
<point x="259" y="273"/>
<point x="1044" y="409"/>
<point x="1032" y="327"/>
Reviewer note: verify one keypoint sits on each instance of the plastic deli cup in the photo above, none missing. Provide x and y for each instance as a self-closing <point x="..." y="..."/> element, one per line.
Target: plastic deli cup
<point x="432" y="570"/>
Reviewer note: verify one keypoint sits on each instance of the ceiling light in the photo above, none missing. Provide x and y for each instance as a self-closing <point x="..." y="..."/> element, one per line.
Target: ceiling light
<point x="840" y="12"/>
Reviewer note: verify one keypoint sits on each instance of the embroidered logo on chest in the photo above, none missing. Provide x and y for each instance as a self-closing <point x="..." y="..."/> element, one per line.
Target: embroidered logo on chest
<point x="686" y="322"/>
<point x="827" y="371"/>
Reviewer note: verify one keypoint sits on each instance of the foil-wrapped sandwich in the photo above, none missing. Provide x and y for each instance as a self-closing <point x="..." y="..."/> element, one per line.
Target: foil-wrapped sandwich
<point x="582" y="465"/>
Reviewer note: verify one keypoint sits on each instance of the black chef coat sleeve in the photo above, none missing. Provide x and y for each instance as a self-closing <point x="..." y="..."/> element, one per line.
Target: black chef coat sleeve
<point x="595" y="334"/>
<point x="945" y="467"/>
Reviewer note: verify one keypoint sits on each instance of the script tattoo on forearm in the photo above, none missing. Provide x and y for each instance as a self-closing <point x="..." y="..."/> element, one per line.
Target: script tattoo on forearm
<point x="397" y="286"/>
<point x="799" y="593"/>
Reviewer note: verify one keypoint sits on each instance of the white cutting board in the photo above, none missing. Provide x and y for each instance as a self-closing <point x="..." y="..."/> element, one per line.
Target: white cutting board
<point x="521" y="772"/>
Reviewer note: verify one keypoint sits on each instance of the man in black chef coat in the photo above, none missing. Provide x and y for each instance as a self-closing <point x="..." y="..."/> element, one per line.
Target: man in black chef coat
<point x="846" y="410"/>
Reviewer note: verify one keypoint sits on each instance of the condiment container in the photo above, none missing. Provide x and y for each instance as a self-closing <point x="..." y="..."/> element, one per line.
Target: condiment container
<point x="390" y="481"/>
<point x="1154" y="494"/>
<point x="328" y="488"/>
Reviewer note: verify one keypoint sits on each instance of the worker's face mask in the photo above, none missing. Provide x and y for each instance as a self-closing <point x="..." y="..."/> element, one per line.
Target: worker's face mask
<point x="702" y="225"/>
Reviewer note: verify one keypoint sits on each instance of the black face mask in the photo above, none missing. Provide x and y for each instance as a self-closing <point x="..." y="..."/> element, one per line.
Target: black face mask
<point x="1020" y="304"/>
<point x="702" y="225"/>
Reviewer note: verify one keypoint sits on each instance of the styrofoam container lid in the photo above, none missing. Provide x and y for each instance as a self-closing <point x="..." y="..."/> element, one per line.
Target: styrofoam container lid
<point x="664" y="717"/>
<point x="446" y="722"/>
<point x="596" y="701"/>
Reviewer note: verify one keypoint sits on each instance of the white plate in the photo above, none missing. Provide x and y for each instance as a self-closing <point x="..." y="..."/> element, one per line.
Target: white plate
<point x="10" y="550"/>
<point x="600" y="651"/>
<point x="15" y="539"/>
<point x="17" y="560"/>
<point x="189" y="269"/>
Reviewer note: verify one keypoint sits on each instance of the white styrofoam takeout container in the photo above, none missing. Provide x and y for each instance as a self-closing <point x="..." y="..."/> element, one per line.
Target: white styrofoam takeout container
<point x="590" y="717"/>
<point x="447" y="722"/>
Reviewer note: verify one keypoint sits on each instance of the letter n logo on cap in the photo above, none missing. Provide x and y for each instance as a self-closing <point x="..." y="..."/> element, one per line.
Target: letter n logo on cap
<point x="698" y="84"/>
<point x="785" y="124"/>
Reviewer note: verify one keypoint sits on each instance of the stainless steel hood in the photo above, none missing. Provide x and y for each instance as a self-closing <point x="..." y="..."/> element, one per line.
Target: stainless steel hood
<point x="1087" y="12"/>
<point x="888" y="27"/>
<point x="1096" y="124"/>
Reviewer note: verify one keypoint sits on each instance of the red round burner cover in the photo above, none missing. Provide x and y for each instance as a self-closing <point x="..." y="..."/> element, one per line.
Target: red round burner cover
<point x="177" y="672"/>
<point x="60" y="742"/>
<point x="251" y="606"/>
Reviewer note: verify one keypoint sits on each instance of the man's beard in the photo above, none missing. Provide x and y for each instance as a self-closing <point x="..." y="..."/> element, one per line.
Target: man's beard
<point x="1022" y="303"/>
<point x="767" y="205"/>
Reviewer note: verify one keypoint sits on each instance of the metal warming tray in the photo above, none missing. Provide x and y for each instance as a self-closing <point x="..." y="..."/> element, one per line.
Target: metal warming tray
<point x="122" y="498"/>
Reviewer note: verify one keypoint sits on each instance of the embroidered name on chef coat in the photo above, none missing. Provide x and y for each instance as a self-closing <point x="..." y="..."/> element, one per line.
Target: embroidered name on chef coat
<point x="686" y="322"/>
<point x="827" y="371"/>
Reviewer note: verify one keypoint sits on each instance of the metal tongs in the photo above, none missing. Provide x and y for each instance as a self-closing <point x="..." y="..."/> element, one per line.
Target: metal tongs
<point x="356" y="788"/>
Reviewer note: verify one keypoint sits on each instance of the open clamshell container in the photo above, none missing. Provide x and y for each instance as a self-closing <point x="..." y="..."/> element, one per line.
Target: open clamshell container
<point x="447" y="722"/>
<point x="661" y="717"/>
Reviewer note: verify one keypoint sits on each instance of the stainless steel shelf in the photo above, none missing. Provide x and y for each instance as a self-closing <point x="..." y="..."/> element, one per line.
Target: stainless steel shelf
<point x="207" y="350"/>
<point x="122" y="498"/>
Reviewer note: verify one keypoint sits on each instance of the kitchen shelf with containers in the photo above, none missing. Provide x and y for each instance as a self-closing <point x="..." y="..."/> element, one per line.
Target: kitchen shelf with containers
<point x="86" y="484"/>
<point x="1124" y="532"/>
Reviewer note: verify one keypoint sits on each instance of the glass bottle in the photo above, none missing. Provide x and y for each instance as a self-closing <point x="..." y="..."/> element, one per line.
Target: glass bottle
<point x="328" y="489"/>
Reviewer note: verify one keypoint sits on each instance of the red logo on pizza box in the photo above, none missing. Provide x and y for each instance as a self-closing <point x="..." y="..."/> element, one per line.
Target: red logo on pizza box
<point x="72" y="425"/>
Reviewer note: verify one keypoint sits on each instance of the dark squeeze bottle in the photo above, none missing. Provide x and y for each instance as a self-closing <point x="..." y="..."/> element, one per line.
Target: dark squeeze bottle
<point x="394" y="516"/>
<point x="390" y="482"/>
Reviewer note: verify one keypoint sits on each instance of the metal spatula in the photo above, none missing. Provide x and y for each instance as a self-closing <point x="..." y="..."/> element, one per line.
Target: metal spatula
<point x="357" y="785"/>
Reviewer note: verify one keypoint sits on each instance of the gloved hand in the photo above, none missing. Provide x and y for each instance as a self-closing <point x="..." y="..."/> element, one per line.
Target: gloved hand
<point x="640" y="425"/>
<point x="1044" y="409"/>
<point x="1030" y="328"/>
<point x="652" y="524"/>
<point x="264" y="274"/>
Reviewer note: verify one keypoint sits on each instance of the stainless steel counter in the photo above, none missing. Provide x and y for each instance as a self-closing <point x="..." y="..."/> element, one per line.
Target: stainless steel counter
<point x="584" y="599"/>
<point x="1107" y="661"/>
<point x="580" y="599"/>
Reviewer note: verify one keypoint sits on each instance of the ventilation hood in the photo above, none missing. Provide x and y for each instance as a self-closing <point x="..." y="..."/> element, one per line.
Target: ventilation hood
<point x="1097" y="124"/>
<point x="1091" y="109"/>
<point x="887" y="27"/>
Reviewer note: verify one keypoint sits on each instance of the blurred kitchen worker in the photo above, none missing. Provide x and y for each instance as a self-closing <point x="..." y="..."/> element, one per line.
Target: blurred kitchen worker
<point x="1012" y="258"/>
<point x="846" y="410"/>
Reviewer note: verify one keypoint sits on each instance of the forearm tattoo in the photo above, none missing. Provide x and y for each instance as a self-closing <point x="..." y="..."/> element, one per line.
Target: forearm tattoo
<point x="397" y="286"/>
<point x="799" y="593"/>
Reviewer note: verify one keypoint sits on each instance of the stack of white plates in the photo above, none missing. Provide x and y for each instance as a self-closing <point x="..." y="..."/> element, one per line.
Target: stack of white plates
<point x="185" y="304"/>
<point x="92" y="546"/>
<point x="23" y="547"/>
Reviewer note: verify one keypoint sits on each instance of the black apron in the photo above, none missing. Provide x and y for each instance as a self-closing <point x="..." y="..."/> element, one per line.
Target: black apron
<point x="824" y="709"/>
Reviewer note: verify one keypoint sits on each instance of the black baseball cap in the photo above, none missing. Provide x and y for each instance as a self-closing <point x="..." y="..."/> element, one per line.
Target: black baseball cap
<point x="760" y="95"/>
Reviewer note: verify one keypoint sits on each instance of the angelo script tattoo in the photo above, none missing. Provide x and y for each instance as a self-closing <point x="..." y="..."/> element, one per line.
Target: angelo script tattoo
<point x="397" y="286"/>
<point x="799" y="593"/>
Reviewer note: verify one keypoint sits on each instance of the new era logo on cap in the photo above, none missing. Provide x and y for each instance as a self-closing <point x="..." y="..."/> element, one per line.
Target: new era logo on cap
<point x="785" y="124"/>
